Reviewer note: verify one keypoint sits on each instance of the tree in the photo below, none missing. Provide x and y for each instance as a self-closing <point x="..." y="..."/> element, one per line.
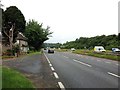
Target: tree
<point x="13" y="22"/>
<point x="12" y="19"/>
<point x="36" y="34"/>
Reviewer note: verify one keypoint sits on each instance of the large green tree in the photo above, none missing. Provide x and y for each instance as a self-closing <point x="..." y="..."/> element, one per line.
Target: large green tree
<point x="12" y="17"/>
<point x="36" y="34"/>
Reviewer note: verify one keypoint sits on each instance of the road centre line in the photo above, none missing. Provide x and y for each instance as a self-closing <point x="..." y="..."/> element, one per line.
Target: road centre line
<point x="52" y="69"/>
<point x="82" y="63"/>
<point x="61" y="86"/>
<point x="114" y="74"/>
<point x="65" y="56"/>
<point x="55" y="74"/>
<point x="107" y="62"/>
<point x="98" y="60"/>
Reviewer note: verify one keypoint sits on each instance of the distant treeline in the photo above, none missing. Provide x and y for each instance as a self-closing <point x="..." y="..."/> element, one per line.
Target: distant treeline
<point x="108" y="42"/>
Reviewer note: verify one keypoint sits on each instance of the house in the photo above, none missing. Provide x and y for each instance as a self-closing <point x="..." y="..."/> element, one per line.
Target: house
<point x="21" y="41"/>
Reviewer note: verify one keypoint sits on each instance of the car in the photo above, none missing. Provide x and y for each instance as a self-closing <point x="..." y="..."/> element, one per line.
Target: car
<point x="99" y="49"/>
<point x="115" y="50"/>
<point x="72" y="49"/>
<point x="50" y="50"/>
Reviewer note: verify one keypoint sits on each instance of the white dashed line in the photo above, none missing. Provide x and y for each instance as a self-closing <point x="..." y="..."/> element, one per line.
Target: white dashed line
<point x="107" y="62"/>
<point x="82" y="63"/>
<point x="117" y="64"/>
<point x="98" y="60"/>
<point x="113" y="74"/>
<point x="61" y="86"/>
<point x="52" y="69"/>
<point x="65" y="56"/>
<point x="55" y="74"/>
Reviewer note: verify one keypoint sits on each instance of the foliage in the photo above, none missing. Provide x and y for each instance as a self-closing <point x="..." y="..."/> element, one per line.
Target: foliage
<point x="36" y="34"/>
<point x="13" y="79"/>
<point x="52" y="45"/>
<point x="12" y="16"/>
<point x="108" y="42"/>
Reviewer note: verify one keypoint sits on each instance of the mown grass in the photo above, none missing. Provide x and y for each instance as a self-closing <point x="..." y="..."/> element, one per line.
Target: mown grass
<point x="100" y="55"/>
<point x="13" y="79"/>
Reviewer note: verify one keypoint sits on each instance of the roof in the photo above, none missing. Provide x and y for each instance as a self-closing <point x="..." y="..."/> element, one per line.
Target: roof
<point x="21" y="37"/>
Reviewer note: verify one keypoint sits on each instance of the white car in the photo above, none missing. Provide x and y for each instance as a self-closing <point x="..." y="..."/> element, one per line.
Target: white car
<point x="115" y="50"/>
<point x="99" y="49"/>
<point x="72" y="49"/>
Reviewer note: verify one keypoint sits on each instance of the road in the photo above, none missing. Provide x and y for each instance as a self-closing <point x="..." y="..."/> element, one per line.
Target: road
<point x="80" y="71"/>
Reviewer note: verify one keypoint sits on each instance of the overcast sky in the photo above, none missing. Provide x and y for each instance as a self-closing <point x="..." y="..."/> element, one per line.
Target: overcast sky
<point x="71" y="19"/>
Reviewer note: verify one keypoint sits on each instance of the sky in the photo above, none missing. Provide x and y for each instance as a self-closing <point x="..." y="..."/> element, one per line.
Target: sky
<point x="71" y="19"/>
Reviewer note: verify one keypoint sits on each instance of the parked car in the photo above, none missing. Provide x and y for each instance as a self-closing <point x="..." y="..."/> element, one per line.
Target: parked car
<point x="99" y="49"/>
<point x="50" y="50"/>
<point x="115" y="50"/>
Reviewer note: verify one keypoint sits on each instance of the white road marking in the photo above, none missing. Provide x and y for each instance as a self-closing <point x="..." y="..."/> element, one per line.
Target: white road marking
<point x="107" y="62"/>
<point x="117" y="64"/>
<point x="50" y="65"/>
<point x="52" y="69"/>
<point x="65" y="56"/>
<point x="47" y="59"/>
<point x="82" y="63"/>
<point x="113" y="74"/>
<point x="55" y="74"/>
<point x="98" y="60"/>
<point x="61" y="86"/>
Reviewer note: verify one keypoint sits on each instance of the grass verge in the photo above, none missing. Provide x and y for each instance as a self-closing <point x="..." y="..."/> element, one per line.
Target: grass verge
<point x="61" y="50"/>
<point x="13" y="79"/>
<point x="100" y="55"/>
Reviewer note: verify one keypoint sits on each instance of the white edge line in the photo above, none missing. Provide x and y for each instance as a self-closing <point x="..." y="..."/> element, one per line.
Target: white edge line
<point x="47" y="59"/>
<point x="55" y="74"/>
<point x="82" y="63"/>
<point x="113" y="74"/>
<point x="50" y="65"/>
<point x="61" y="86"/>
<point x="52" y="69"/>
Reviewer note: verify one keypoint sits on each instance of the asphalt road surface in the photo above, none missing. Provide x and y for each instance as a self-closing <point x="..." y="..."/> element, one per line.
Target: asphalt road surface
<point x="80" y="71"/>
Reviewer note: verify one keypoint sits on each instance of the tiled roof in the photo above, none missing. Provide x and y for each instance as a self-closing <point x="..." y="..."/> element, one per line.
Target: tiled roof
<point x="21" y="36"/>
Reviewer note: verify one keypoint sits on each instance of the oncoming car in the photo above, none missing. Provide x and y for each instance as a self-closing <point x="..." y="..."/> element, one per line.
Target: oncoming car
<point x="50" y="50"/>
